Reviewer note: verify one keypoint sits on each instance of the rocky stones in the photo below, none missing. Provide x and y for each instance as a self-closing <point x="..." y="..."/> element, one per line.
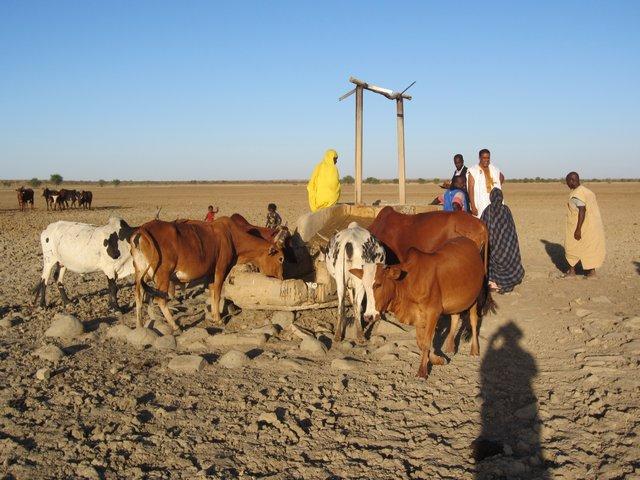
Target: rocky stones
<point x="384" y="349"/>
<point x="290" y="364"/>
<point x="43" y="374"/>
<point x="119" y="331"/>
<point x="88" y="472"/>
<point x="6" y="323"/>
<point x="166" y="342"/>
<point x="251" y="340"/>
<point x="193" y="340"/>
<point x="64" y="326"/>
<point x="582" y="312"/>
<point x="233" y="359"/>
<point x="142" y="337"/>
<point x="283" y="319"/>
<point x="345" y="364"/>
<point x="389" y="357"/>
<point x="49" y="352"/>
<point x="386" y="327"/>
<point x="269" y="329"/>
<point x="187" y="363"/>
<point x="600" y="299"/>
<point x="313" y="346"/>
<point x="633" y="322"/>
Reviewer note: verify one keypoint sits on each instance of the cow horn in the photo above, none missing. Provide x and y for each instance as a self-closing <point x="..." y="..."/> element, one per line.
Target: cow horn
<point x="157" y="217"/>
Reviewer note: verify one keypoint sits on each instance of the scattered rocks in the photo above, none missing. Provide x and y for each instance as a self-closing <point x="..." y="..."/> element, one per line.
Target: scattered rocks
<point x="384" y="349"/>
<point x="583" y="312"/>
<point x="163" y="328"/>
<point x="290" y="364"/>
<point x="87" y="471"/>
<point x="269" y="329"/>
<point x="389" y="357"/>
<point x="345" y="364"/>
<point x="237" y="340"/>
<point x="633" y="322"/>
<point x="49" y="352"/>
<point x="187" y="363"/>
<point x="64" y="326"/>
<point x="166" y="342"/>
<point x="120" y="332"/>
<point x="193" y="339"/>
<point x="600" y="299"/>
<point x="283" y="319"/>
<point x="233" y="359"/>
<point x="43" y="374"/>
<point x="313" y="346"/>
<point x="6" y="323"/>
<point x="142" y="337"/>
<point x="386" y="327"/>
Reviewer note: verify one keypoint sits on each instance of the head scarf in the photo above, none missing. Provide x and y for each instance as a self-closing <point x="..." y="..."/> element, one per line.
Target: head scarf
<point x="505" y="265"/>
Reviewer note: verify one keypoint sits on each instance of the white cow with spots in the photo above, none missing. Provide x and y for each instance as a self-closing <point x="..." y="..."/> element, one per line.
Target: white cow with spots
<point x="84" y="248"/>
<point x="350" y="248"/>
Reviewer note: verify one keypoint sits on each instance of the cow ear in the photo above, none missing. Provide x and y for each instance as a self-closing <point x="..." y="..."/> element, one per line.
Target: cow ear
<point x="358" y="272"/>
<point x="394" y="272"/>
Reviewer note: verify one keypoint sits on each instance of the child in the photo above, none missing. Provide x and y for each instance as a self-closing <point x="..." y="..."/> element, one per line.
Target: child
<point x="273" y="218"/>
<point x="211" y="214"/>
<point x="455" y="198"/>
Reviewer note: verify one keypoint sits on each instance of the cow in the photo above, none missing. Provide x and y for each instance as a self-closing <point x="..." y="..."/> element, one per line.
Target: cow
<point x="25" y="195"/>
<point x="74" y="197"/>
<point x="351" y="248"/>
<point x="426" y="231"/>
<point x="84" y="248"/>
<point x="450" y="280"/>
<point x="62" y="199"/>
<point x="50" y="197"/>
<point x="188" y="250"/>
<point x="280" y="237"/>
<point x="85" y="197"/>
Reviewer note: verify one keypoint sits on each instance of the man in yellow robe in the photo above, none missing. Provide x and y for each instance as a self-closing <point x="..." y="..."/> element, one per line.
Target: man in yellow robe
<point x="324" y="185"/>
<point x="584" y="236"/>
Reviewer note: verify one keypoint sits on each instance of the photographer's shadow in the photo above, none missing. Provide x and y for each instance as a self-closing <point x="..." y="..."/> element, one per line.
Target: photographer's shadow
<point x="509" y="443"/>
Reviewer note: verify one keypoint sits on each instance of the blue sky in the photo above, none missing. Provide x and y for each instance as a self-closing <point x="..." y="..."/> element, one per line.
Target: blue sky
<point x="248" y="90"/>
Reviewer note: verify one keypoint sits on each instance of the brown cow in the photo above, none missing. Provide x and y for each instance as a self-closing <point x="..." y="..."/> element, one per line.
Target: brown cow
<point x="427" y="285"/>
<point x="187" y="250"/>
<point x="426" y="231"/>
<point x="274" y="235"/>
<point x="85" y="197"/>
<point x="25" y="195"/>
<point x="49" y="197"/>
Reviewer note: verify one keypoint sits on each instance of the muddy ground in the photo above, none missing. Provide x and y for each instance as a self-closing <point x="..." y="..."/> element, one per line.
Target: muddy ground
<point x="556" y="389"/>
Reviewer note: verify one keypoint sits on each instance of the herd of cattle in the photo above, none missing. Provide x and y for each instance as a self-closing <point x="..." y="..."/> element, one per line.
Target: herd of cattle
<point x="56" y="199"/>
<point x="417" y="267"/>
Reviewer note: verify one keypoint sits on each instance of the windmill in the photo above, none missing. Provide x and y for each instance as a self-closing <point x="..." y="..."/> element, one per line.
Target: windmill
<point x="399" y="97"/>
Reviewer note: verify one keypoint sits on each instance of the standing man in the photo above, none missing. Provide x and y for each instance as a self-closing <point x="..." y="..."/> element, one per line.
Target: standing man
<point x="483" y="178"/>
<point x="323" y="188"/>
<point x="461" y="169"/>
<point x="584" y="235"/>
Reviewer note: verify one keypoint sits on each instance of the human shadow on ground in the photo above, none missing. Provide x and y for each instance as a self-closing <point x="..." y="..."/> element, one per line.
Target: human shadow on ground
<point x="556" y="254"/>
<point x="509" y="443"/>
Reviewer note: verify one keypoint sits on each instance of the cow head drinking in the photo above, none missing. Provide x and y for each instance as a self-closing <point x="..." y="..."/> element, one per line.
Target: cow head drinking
<point x="379" y="282"/>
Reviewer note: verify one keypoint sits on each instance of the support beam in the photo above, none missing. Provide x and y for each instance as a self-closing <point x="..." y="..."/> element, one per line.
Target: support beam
<point x="358" y="179"/>
<point x="401" y="169"/>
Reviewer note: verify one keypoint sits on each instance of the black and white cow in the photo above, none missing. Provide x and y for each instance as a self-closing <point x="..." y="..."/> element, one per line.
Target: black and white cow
<point x="352" y="248"/>
<point x="84" y="248"/>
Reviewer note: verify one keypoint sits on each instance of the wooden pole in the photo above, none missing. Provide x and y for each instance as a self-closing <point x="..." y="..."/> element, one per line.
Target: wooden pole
<point x="401" y="170"/>
<point x="358" y="180"/>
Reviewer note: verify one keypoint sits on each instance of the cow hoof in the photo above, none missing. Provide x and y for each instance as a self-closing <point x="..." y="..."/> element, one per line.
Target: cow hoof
<point x="449" y="349"/>
<point x="475" y="351"/>
<point x="422" y="373"/>
<point x="337" y="338"/>
<point x="437" y="359"/>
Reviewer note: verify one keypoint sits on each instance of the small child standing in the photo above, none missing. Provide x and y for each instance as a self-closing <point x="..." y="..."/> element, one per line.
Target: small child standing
<point x="211" y="214"/>
<point x="273" y="217"/>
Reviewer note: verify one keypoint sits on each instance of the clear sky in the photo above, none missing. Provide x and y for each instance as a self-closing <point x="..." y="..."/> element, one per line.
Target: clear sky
<point x="248" y="90"/>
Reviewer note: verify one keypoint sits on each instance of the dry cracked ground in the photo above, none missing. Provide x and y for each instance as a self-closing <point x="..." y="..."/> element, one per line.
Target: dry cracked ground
<point x="554" y="394"/>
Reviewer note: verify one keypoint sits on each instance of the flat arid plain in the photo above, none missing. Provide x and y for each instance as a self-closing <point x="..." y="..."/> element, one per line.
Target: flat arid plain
<point x="556" y="386"/>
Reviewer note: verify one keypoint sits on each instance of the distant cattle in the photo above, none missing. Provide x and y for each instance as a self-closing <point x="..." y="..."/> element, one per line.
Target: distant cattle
<point x="64" y="198"/>
<point x="187" y="250"/>
<point x="426" y="231"/>
<point x="25" y="195"/>
<point x="83" y="248"/>
<point x="50" y="197"/>
<point x="352" y="248"/>
<point x="85" y="197"/>
<point x="451" y="280"/>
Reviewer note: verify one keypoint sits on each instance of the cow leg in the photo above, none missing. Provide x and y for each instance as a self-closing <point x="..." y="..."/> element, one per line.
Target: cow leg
<point x="425" y="331"/>
<point x="162" y="284"/>
<point x="338" y="334"/>
<point x="172" y="289"/>
<point x="449" y="344"/>
<point x="357" y="312"/>
<point x="138" y="295"/>
<point x="63" y="293"/>
<point x="113" y="294"/>
<point x="473" y="318"/>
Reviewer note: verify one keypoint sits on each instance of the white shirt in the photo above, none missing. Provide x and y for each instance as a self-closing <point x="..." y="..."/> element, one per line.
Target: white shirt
<point x="480" y="194"/>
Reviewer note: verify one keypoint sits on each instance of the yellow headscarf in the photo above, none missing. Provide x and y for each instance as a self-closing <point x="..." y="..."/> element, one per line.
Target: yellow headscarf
<point x="324" y="185"/>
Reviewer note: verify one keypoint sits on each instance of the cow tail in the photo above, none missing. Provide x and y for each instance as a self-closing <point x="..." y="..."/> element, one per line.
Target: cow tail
<point x="135" y="240"/>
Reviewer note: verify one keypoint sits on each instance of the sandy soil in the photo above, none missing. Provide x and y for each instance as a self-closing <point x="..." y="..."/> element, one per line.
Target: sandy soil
<point x="556" y="384"/>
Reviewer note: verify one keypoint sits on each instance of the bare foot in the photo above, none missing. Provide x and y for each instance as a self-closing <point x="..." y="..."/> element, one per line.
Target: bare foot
<point x="590" y="273"/>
